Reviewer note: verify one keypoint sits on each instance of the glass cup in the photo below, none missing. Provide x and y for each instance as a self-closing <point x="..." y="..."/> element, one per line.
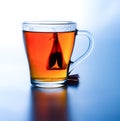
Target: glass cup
<point x="49" y="46"/>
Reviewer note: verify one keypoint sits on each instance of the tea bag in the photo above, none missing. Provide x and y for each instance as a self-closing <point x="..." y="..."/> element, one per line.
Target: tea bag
<point x="56" y="59"/>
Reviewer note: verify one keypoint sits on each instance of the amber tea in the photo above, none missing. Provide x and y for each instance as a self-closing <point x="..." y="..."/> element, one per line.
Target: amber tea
<point x="49" y="54"/>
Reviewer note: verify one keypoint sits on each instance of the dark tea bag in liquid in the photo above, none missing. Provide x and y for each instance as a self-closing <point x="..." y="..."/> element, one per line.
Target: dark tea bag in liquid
<point x="56" y="59"/>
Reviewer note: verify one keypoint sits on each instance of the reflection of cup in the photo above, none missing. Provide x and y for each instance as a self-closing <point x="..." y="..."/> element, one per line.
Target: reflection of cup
<point x="49" y="48"/>
<point x="49" y="104"/>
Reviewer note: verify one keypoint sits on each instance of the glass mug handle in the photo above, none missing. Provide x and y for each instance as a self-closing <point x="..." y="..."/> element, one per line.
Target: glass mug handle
<point x="86" y="53"/>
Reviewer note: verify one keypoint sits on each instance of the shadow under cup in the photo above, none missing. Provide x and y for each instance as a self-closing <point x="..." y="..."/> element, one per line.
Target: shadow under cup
<point x="49" y="47"/>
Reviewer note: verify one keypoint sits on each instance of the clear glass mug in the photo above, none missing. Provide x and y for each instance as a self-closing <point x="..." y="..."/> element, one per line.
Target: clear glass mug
<point x="49" y="46"/>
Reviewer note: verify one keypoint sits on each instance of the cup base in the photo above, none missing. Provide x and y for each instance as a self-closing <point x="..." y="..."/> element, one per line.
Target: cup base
<point x="40" y="83"/>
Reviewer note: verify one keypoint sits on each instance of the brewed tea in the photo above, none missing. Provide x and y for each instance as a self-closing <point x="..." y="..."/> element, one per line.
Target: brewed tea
<point x="49" y="54"/>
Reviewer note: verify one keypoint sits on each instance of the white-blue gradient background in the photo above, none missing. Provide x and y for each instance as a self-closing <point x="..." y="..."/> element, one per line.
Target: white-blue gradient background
<point x="97" y="16"/>
<point x="100" y="17"/>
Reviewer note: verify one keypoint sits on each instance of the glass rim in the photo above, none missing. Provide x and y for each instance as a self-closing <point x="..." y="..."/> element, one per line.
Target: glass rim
<point x="48" y="22"/>
<point x="49" y="26"/>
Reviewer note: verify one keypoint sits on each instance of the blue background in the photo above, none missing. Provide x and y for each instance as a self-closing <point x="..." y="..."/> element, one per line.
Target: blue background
<point x="97" y="97"/>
